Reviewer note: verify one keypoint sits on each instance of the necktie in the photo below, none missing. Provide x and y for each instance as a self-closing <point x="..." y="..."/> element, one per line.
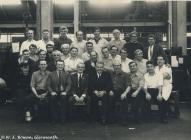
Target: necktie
<point x="60" y="80"/>
<point x="80" y="80"/>
<point x="151" y="52"/>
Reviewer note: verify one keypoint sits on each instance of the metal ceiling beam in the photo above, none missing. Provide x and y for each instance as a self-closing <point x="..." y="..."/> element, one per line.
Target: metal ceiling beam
<point x="108" y="24"/>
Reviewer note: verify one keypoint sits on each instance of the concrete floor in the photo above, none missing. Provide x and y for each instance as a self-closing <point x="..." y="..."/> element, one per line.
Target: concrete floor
<point x="176" y="129"/>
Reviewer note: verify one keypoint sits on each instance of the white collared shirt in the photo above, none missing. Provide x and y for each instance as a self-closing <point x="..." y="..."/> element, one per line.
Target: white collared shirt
<point x="125" y="65"/>
<point x="153" y="81"/>
<point x="71" y="63"/>
<point x="26" y="44"/>
<point x="41" y="44"/>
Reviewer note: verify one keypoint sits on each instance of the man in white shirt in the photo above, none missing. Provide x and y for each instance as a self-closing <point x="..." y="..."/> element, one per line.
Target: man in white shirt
<point x="89" y="49"/>
<point x="72" y="62"/>
<point x="99" y="42"/>
<point x="124" y="61"/>
<point x="153" y="91"/>
<point x="141" y="62"/>
<point x="41" y="44"/>
<point x="30" y="40"/>
<point x="114" y="53"/>
<point x="119" y="43"/>
<point x="106" y="59"/>
<point x="79" y="43"/>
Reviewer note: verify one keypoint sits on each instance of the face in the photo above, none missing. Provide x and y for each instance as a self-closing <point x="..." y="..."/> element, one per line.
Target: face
<point x="42" y="65"/>
<point x="151" y="40"/>
<point x="117" y="68"/>
<point x="80" y="68"/>
<point x="30" y="34"/>
<point x="60" y="65"/>
<point x="42" y="55"/>
<point x="97" y="34"/>
<point x="133" y="38"/>
<point x="150" y="68"/>
<point x="99" y="68"/>
<point x="45" y="35"/>
<point x="105" y="53"/>
<point x="123" y="54"/>
<point x="32" y="50"/>
<point x="89" y="47"/>
<point x="65" y="48"/>
<point x="74" y="52"/>
<point x="79" y="35"/>
<point x="56" y="56"/>
<point x="93" y="56"/>
<point x="26" y="55"/>
<point x="139" y="55"/>
<point x="49" y="49"/>
<point x="160" y="61"/>
<point x="113" y="51"/>
<point x="133" y="67"/>
<point x="116" y="34"/>
<point x="63" y="32"/>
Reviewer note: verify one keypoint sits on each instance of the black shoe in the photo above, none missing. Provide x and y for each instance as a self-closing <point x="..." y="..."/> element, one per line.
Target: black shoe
<point x="103" y="122"/>
<point x="164" y="121"/>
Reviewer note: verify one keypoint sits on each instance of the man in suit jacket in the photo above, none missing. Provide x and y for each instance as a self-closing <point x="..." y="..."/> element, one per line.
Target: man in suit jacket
<point x="59" y="84"/>
<point x="90" y="64"/>
<point x="99" y="87"/>
<point x="79" y="92"/>
<point x="154" y="50"/>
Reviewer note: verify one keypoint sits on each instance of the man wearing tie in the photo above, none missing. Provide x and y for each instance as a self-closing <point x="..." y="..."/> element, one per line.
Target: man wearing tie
<point x="99" y="86"/>
<point x="59" y="84"/>
<point x="79" y="93"/>
<point x="154" y="50"/>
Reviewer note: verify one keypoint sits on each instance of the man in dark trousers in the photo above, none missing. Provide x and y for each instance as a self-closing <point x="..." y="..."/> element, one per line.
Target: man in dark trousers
<point x="153" y="50"/>
<point x="59" y="84"/>
<point x="79" y="91"/>
<point x="99" y="86"/>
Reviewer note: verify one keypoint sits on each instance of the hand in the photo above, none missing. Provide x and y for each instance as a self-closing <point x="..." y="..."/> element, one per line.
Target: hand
<point x="81" y="99"/>
<point x="96" y="93"/>
<point x="148" y="96"/>
<point x="159" y="97"/>
<point x="77" y="98"/>
<point x="123" y="96"/>
<point x="53" y="93"/>
<point x="63" y="93"/>
<point x="166" y="76"/>
<point x="101" y="93"/>
<point x="111" y="93"/>
<point x="134" y="94"/>
<point x="38" y="96"/>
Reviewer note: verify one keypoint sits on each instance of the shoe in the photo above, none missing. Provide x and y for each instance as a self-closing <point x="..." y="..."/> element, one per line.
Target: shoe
<point x="164" y="121"/>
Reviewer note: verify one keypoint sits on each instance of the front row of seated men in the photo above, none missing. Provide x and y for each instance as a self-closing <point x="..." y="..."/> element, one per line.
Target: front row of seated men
<point x="99" y="91"/>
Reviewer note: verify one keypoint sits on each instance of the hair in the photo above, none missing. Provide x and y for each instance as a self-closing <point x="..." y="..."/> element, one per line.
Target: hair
<point x="88" y="42"/>
<point x="92" y="52"/>
<point x="73" y="48"/>
<point x="151" y="35"/>
<point x="123" y="50"/>
<point x="45" y="30"/>
<point x="63" y="28"/>
<point x="41" y="51"/>
<point x="138" y="50"/>
<point x="160" y="56"/>
<point x="132" y="62"/>
<point x="149" y="62"/>
<point x="30" y="30"/>
<point x="97" y="28"/>
<point x="116" y="30"/>
<point x="104" y="48"/>
<point x="41" y="61"/>
<point x="79" y="31"/>
<point x="99" y="62"/>
<point x="60" y="61"/>
<point x="49" y="45"/>
<point x="25" y="50"/>
<point x="56" y="51"/>
<point x="33" y="45"/>
<point x="113" y="46"/>
<point x="65" y="45"/>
